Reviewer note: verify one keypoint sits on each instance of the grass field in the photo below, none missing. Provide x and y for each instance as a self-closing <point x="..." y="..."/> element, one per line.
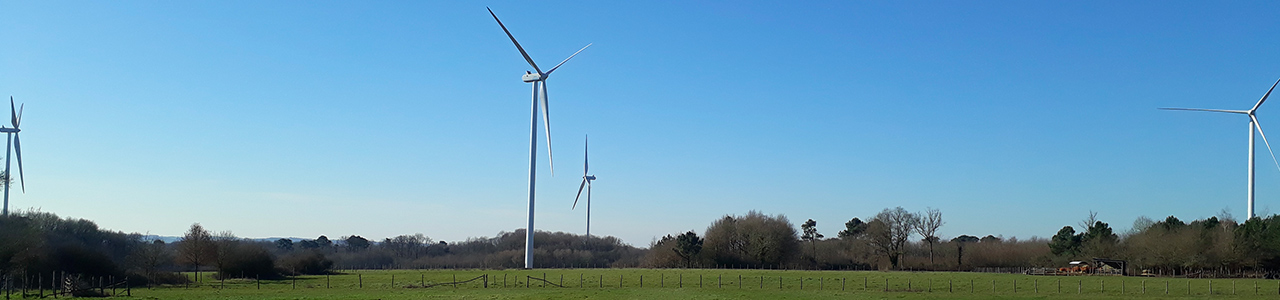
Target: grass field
<point x="713" y="284"/>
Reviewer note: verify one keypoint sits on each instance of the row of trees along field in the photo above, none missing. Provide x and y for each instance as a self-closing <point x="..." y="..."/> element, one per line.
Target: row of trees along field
<point x="43" y="243"/>
<point x="898" y="239"/>
<point x="886" y="241"/>
<point x="1174" y="246"/>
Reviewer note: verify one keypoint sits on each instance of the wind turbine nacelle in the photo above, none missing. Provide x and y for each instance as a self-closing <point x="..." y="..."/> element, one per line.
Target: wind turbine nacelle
<point x="531" y="77"/>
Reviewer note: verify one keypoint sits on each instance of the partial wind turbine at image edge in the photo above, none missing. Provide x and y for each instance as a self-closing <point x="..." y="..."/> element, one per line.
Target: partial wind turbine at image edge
<point x="539" y="81"/>
<point x="1253" y="124"/>
<point x="14" y="146"/>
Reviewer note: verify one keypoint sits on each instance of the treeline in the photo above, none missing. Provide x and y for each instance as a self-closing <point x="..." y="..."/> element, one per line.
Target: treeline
<point x="1173" y="246"/>
<point x="43" y="243"/>
<point x="506" y="250"/>
<point x="35" y="244"/>
<point x="233" y="257"/>
<point x="887" y="241"/>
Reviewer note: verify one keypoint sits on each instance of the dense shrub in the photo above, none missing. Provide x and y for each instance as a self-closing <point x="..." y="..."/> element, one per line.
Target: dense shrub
<point x="753" y="240"/>
<point x="246" y="260"/>
<point x="307" y="262"/>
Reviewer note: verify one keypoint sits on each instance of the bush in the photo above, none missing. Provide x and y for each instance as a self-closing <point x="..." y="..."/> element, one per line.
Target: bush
<point x="308" y="263"/>
<point x="246" y="260"/>
<point x="754" y="240"/>
<point x="158" y="278"/>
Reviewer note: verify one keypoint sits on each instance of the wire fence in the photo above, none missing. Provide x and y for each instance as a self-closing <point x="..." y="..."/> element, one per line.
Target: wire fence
<point x="61" y="284"/>
<point x="57" y="285"/>
<point x="883" y="282"/>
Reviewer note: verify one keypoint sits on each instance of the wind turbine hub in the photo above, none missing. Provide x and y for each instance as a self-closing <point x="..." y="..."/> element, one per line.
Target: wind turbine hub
<point x="531" y="77"/>
<point x="591" y="177"/>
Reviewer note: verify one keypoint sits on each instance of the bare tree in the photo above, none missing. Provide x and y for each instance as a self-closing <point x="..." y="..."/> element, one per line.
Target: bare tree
<point x="224" y="244"/>
<point x="927" y="225"/>
<point x="150" y="257"/>
<point x="890" y="230"/>
<point x="196" y="248"/>
<point x="1088" y="222"/>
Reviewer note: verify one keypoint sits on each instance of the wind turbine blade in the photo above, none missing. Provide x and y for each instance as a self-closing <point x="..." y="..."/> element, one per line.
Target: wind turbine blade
<point x="1255" y="124"/>
<point x="546" y="122"/>
<point x="20" y="109"/>
<point x="17" y="149"/>
<point x="513" y="40"/>
<point x="580" y="186"/>
<point x="1209" y="110"/>
<point x="13" y="112"/>
<point x="585" y="160"/>
<point x="553" y="69"/>
<point x="1264" y="96"/>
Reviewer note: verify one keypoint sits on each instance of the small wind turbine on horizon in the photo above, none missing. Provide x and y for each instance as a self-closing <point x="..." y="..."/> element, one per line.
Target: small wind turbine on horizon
<point x="1253" y="124"/>
<point x="14" y="146"/>
<point x="539" y="81"/>
<point x="586" y="182"/>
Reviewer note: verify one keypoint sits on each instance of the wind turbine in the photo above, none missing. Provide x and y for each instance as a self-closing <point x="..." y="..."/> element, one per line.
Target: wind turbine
<point x="539" y="81"/>
<point x="13" y="146"/>
<point x="1253" y="123"/>
<point x="586" y="182"/>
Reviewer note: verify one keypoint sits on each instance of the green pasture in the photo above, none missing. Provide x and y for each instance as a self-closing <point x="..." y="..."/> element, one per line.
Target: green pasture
<point x="710" y="284"/>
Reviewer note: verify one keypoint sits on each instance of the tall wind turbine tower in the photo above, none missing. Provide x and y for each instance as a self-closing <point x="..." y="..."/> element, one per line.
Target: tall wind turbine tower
<point x="1253" y="124"/>
<point x="539" y="81"/>
<point x="14" y="146"/>
<point x="586" y="182"/>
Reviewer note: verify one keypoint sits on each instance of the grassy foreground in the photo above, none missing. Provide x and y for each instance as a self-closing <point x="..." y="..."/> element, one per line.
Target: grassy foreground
<point x="712" y="284"/>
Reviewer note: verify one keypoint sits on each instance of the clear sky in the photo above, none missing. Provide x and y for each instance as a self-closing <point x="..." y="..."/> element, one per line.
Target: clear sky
<point x="303" y="118"/>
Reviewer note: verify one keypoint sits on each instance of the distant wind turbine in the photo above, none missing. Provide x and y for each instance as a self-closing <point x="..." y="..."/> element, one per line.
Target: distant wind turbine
<point x="539" y="81"/>
<point x="586" y="182"/>
<point x="1253" y="123"/>
<point x="13" y="146"/>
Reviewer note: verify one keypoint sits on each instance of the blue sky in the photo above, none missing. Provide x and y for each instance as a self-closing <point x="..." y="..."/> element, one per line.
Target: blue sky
<point x="291" y="118"/>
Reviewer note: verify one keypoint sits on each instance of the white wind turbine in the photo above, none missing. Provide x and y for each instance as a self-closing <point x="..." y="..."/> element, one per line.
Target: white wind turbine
<point x="13" y="146"/>
<point x="539" y="81"/>
<point x="586" y="182"/>
<point x="1253" y="123"/>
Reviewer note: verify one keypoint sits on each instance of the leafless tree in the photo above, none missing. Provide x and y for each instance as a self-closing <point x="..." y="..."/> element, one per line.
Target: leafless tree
<point x="196" y="248"/>
<point x="754" y="239"/>
<point x="1088" y="222"/>
<point x="150" y="257"/>
<point x="224" y="246"/>
<point x="927" y="225"/>
<point x="890" y="230"/>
